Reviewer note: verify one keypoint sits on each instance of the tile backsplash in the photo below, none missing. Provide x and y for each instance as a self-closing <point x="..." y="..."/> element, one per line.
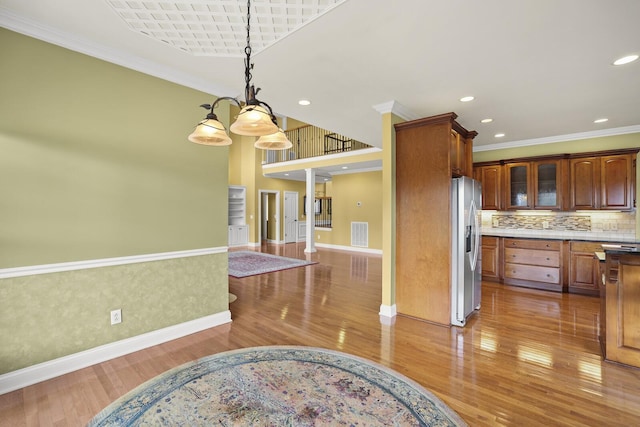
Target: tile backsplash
<point x="596" y="225"/>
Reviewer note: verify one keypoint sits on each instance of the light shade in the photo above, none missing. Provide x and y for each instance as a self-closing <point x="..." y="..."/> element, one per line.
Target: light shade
<point x="274" y="141"/>
<point x="210" y="132"/>
<point x="254" y="120"/>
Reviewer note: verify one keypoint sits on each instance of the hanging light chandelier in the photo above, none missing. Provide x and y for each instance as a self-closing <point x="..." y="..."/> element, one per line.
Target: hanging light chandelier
<point x="256" y="117"/>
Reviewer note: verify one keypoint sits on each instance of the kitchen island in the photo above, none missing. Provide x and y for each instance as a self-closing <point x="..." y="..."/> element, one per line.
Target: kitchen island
<point x="619" y="329"/>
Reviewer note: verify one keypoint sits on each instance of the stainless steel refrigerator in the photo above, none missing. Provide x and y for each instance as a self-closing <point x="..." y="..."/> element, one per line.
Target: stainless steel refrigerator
<point x="466" y="271"/>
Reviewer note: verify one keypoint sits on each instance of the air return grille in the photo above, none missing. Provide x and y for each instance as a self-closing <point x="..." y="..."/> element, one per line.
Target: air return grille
<point x="360" y="234"/>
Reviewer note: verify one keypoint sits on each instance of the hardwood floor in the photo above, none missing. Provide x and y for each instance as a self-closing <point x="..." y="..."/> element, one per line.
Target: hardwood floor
<point x="527" y="358"/>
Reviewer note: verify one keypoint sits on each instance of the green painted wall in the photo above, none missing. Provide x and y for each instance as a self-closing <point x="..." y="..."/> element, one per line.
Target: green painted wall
<point x="631" y="140"/>
<point x="94" y="163"/>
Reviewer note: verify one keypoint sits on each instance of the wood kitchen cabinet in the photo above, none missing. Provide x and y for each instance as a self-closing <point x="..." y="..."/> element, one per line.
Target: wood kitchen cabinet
<point x="518" y="185"/>
<point x="491" y="262"/>
<point x="547" y="184"/>
<point x="602" y="182"/>
<point x="461" y="154"/>
<point x="533" y="263"/>
<point x="491" y="179"/>
<point x="617" y="179"/>
<point x="602" y="324"/>
<point x="423" y="189"/>
<point x="623" y="310"/>
<point x="584" y="188"/>
<point x="534" y="185"/>
<point x="584" y="268"/>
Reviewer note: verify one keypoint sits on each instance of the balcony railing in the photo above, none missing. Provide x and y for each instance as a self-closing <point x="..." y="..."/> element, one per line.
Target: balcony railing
<point x="310" y="141"/>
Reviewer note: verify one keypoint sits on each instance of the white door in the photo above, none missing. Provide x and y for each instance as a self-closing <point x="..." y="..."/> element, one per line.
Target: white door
<point x="290" y="216"/>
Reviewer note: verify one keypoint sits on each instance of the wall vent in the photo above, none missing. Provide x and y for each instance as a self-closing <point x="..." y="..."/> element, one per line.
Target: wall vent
<point x="360" y="234"/>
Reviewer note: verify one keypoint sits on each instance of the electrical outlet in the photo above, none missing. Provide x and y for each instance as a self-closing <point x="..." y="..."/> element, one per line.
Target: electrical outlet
<point x="614" y="225"/>
<point x="545" y="224"/>
<point x="116" y="316"/>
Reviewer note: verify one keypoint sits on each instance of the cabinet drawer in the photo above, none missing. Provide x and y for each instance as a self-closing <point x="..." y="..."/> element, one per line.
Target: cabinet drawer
<point x="586" y="247"/>
<point x="490" y="241"/>
<point x="550" y="245"/>
<point x="532" y="257"/>
<point x="532" y="272"/>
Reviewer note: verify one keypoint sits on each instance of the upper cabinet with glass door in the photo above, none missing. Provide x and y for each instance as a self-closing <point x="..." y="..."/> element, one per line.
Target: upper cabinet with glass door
<point x="547" y="181"/>
<point x="534" y="185"/>
<point x="518" y="185"/>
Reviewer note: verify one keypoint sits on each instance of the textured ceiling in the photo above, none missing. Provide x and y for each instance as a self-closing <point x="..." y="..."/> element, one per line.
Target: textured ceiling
<point x="218" y="28"/>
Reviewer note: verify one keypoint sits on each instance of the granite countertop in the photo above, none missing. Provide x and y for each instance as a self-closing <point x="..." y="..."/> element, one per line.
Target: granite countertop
<point x="621" y="249"/>
<point x="558" y="235"/>
<point x="617" y="249"/>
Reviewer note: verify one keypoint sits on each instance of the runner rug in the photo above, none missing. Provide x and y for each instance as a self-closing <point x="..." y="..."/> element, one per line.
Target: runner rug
<point x="279" y="386"/>
<point x="248" y="263"/>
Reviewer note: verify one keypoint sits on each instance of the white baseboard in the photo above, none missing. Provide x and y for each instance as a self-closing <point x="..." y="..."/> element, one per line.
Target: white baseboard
<point x="43" y="371"/>
<point x="349" y="248"/>
<point x="388" y="310"/>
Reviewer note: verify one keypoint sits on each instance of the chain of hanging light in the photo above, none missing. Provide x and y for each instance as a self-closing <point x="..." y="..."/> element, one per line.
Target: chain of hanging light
<point x="256" y="117"/>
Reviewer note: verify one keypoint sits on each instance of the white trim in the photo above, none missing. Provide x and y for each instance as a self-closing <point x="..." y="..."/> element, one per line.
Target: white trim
<point x="559" y="138"/>
<point x="349" y="248"/>
<point x="388" y="310"/>
<point x="43" y="371"/>
<point x="105" y="262"/>
<point x="322" y="158"/>
<point x="362" y="170"/>
<point x="396" y="108"/>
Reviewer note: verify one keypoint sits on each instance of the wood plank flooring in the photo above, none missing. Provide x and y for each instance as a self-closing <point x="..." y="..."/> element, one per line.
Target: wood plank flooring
<point x="528" y="358"/>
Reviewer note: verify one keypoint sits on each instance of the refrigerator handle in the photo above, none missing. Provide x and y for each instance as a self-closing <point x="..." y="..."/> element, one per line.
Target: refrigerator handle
<point x="473" y="213"/>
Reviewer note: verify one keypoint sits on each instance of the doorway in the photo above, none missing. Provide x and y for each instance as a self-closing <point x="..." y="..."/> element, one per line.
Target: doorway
<point x="269" y="216"/>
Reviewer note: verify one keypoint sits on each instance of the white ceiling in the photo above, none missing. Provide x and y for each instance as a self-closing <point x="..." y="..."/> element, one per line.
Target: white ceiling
<point x="541" y="69"/>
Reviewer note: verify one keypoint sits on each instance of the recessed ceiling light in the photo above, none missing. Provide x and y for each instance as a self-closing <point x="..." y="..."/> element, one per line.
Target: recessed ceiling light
<point x="345" y="167"/>
<point x="602" y="120"/>
<point x="486" y="120"/>
<point x="326" y="179"/>
<point x="499" y="135"/>
<point x="304" y="102"/>
<point x="286" y="174"/>
<point x="466" y="99"/>
<point x="625" y="60"/>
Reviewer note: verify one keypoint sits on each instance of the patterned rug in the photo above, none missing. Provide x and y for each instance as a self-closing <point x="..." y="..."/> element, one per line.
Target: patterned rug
<point x="279" y="386"/>
<point x="248" y="263"/>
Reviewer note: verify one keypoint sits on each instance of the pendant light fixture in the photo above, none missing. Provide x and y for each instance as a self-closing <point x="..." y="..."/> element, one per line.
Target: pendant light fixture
<point x="256" y="117"/>
<point x="274" y="141"/>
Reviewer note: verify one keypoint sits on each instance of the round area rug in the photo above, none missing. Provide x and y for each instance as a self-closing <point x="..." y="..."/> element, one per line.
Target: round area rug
<point x="279" y="386"/>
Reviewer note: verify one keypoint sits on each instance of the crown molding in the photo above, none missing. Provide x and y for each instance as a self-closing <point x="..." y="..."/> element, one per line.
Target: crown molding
<point x="27" y="27"/>
<point x="559" y="138"/>
<point x="396" y="108"/>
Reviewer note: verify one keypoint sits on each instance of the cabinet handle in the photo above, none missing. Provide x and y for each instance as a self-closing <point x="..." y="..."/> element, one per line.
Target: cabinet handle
<point x="548" y="275"/>
<point x="548" y="259"/>
<point x="513" y="256"/>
